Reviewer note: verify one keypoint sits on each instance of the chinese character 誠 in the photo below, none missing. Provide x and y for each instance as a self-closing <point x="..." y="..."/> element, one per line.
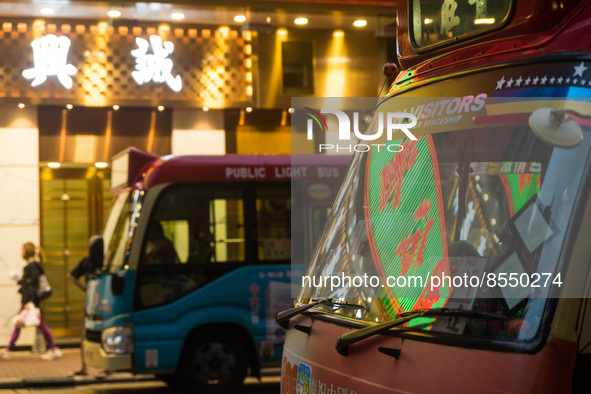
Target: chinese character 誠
<point x="157" y="66"/>
<point x="50" y="55"/>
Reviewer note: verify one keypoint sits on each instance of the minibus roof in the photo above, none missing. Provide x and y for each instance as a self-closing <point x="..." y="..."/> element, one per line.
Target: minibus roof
<point x="225" y="168"/>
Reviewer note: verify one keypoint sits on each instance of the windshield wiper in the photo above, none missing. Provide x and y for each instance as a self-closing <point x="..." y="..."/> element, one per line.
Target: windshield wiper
<point x="352" y="337"/>
<point x="284" y="316"/>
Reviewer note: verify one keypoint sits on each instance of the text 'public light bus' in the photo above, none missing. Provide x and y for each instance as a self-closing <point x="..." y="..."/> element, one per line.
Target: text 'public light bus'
<point x="197" y="258"/>
<point x="460" y="263"/>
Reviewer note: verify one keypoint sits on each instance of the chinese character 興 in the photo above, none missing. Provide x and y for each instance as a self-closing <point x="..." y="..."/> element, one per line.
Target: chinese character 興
<point x="49" y="58"/>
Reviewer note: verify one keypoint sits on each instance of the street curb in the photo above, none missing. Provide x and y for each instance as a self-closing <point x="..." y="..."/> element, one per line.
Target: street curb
<point x="27" y="383"/>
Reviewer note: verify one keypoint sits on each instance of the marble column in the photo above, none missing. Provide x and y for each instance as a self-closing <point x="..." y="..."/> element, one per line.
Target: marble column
<point x="19" y="204"/>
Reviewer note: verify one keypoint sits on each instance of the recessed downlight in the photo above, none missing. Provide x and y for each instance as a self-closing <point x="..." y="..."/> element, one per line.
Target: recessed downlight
<point x="114" y="13"/>
<point x="47" y="11"/>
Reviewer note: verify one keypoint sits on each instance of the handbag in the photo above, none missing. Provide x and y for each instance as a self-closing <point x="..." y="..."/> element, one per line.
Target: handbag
<point x="44" y="289"/>
<point x="30" y="315"/>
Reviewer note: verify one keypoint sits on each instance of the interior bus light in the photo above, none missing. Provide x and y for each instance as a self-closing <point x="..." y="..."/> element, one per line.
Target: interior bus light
<point x="101" y="164"/>
<point x="301" y="21"/>
<point x="53" y="165"/>
<point x="360" y="23"/>
<point x="240" y="18"/>
<point x="177" y="16"/>
<point x="484" y="21"/>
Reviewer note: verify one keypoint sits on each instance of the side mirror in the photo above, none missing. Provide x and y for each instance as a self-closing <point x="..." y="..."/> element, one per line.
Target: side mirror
<point x="95" y="253"/>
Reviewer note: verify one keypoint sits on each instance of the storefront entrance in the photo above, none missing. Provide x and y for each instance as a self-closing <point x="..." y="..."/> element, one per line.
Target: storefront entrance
<point x="74" y="204"/>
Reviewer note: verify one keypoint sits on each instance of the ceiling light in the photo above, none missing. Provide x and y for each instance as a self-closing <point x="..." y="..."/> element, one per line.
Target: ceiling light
<point x="161" y="108"/>
<point x="46" y="11"/>
<point x="21" y="105"/>
<point x="300" y="21"/>
<point x="281" y="32"/>
<point x="114" y="13"/>
<point x="53" y="165"/>
<point x="101" y="164"/>
<point x="240" y="18"/>
<point x="428" y="21"/>
<point x="177" y="16"/>
<point x="248" y="109"/>
<point x="338" y="33"/>
<point x="115" y="107"/>
<point x="205" y="109"/>
<point x="69" y="106"/>
<point x="360" y="23"/>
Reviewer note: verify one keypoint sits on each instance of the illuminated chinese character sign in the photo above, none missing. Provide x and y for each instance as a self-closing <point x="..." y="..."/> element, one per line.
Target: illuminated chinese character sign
<point x="50" y="58"/>
<point x="407" y="232"/>
<point x="155" y="66"/>
<point x="92" y="64"/>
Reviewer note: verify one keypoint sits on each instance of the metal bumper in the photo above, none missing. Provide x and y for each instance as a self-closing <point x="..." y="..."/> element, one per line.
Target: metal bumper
<point x="96" y="357"/>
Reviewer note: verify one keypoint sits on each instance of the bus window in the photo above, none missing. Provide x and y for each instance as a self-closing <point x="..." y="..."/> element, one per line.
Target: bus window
<point x="190" y="228"/>
<point x="441" y="21"/>
<point x="465" y="221"/>
<point x="124" y="214"/>
<point x="178" y="232"/>
<point x="273" y="206"/>
<point x="226" y="213"/>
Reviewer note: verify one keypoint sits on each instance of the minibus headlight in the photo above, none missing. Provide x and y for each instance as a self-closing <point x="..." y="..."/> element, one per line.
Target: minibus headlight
<point x="118" y="339"/>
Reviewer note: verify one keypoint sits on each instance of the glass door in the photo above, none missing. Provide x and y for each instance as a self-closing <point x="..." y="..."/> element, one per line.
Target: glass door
<point x="74" y="205"/>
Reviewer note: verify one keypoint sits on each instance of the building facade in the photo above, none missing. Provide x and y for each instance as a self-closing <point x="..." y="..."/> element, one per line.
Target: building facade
<point x="74" y="91"/>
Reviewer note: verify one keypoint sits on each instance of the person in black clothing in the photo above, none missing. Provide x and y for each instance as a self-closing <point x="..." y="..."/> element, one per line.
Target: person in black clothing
<point x="161" y="249"/>
<point x="86" y="267"/>
<point x="82" y="269"/>
<point x="29" y="284"/>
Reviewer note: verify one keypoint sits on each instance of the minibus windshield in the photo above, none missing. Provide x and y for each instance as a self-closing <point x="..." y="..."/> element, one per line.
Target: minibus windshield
<point x="473" y="217"/>
<point x="120" y="229"/>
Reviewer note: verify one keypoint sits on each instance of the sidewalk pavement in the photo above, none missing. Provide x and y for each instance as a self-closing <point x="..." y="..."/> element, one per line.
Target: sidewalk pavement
<point x="27" y="370"/>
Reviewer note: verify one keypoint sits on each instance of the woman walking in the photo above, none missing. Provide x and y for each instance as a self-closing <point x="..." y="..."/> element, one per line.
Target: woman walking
<point x="29" y="287"/>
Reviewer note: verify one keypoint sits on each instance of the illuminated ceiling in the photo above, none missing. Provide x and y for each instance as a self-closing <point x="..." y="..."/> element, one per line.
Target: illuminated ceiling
<point x="260" y="14"/>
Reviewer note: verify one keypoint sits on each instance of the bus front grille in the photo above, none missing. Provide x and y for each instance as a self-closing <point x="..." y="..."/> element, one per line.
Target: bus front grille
<point x="93" y="336"/>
